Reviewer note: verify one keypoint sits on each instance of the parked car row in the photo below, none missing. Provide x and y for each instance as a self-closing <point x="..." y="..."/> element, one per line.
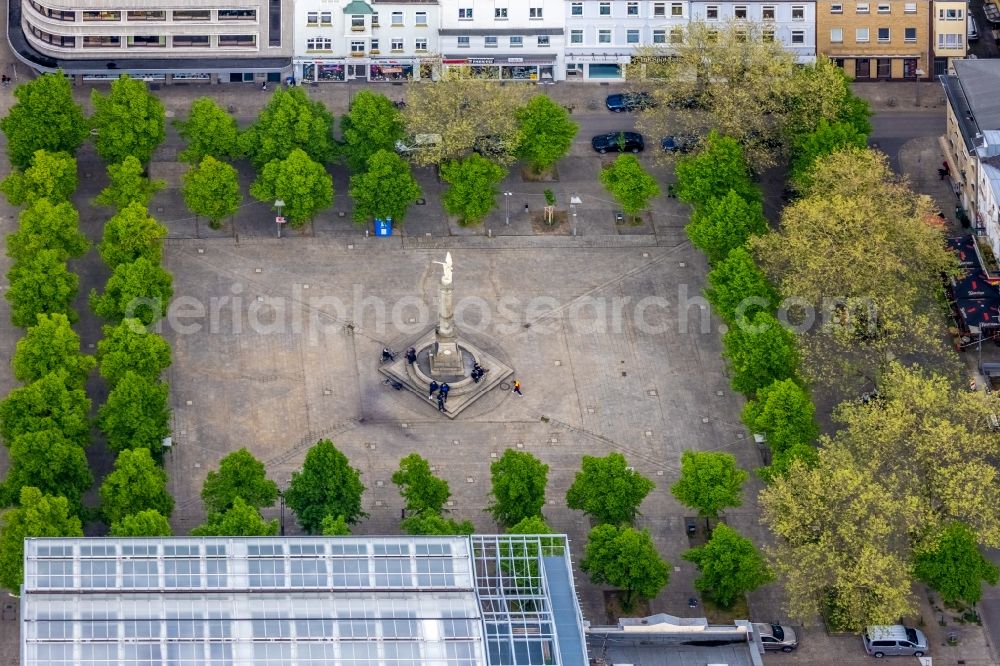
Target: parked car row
<point x="633" y="142"/>
<point x="879" y="641"/>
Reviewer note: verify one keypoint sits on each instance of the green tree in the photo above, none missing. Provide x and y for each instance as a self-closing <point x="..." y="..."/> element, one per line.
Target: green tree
<point x="41" y="285"/>
<point x="737" y="288"/>
<point x="212" y="189"/>
<point x="139" y="290"/>
<point x="37" y="515"/>
<point x="713" y="171"/>
<point x="422" y="491"/>
<point x="290" y="121"/>
<point x="730" y="566"/>
<point x="710" y="481"/>
<point x="952" y="564"/>
<point x="135" y="484"/>
<point x="136" y="415"/>
<point x="51" y="176"/>
<point x="240" y="520"/>
<point x="304" y="186"/>
<point x="530" y="525"/>
<point x="372" y="124"/>
<point x="783" y="412"/>
<point x="722" y="225"/>
<point x="546" y="132"/>
<point x="48" y="404"/>
<point x="608" y="489"/>
<point x="49" y="346"/>
<point x="131" y="234"/>
<point x="472" y="192"/>
<point x="128" y="120"/>
<point x="783" y="459"/>
<point x="434" y="524"/>
<point x="47" y="226"/>
<point x="239" y="475"/>
<point x="625" y="558"/>
<point x="334" y="526"/>
<point x="629" y="184"/>
<point x="826" y="139"/>
<point x="519" y="480"/>
<point x="148" y="523"/>
<point x="759" y="351"/>
<point x="45" y="117"/>
<point x="47" y="461"/>
<point x="326" y="485"/>
<point x="209" y="131"/>
<point x="821" y="92"/>
<point x="130" y="347"/>
<point x="128" y="185"/>
<point x="385" y="189"/>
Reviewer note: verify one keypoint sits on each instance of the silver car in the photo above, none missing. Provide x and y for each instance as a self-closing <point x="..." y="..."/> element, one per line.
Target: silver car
<point x="776" y="636"/>
<point x="895" y="639"/>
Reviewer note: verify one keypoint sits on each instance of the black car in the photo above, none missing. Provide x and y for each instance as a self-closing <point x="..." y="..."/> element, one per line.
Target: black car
<point x="682" y="143"/>
<point x="626" y="142"/>
<point x="629" y="102"/>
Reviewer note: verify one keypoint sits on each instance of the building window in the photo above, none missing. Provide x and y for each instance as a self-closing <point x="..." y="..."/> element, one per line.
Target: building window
<point x="862" y="68"/>
<point x="798" y="13"/>
<point x="244" y="41"/>
<point x="535" y="12"/>
<point x="604" y="9"/>
<point x="397" y="45"/>
<point x="740" y="11"/>
<point x="948" y="41"/>
<point x="248" y="15"/>
<point x="191" y="15"/>
<point x="576" y="9"/>
<point x="883" y="68"/>
<point x="910" y="8"/>
<point x="420" y="44"/>
<point x="106" y="42"/>
<point x="950" y="14"/>
<point x="798" y="36"/>
<point x="146" y="16"/>
<point x="375" y="19"/>
<point x="659" y="10"/>
<point x="676" y="9"/>
<point x="357" y="22"/>
<point x="56" y="14"/>
<point x="463" y="42"/>
<point x="465" y="13"/>
<point x="861" y="35"/>
<point x="373" y="46"/>
<point x="910" y="35"/>
<point x="884" y="9"/>
<point x="325" y="18"/>
<point x="397" y="18"/>
<point x="543" y="41"/>
<point x="862" y="8"/>
<point x="490" y="42"/>
<point x="312" y="19"/>
<point x="516" y="41"/>
<point x="55" y="40"/>
<point x="102" y="16"/>
<point x="358" y="48"/>
<point x="421" y="18"/>
<point x="631" y="36"/>
<point x="312" y="44"/>
<point x="576" y="36"/>
<point x="883" y="35"/>
<point x="632" y="9"/>
<point x="836" y="35"/>
<point x="147" y="41"/>
<point x="676" y="35"/>
<point x="837" y="9"/>
<point x="603" y="36"/>
<point x="659" y="36"/>
<point x="767" y="12"/>
<point x="500" y="13"/>
<point x="767" y="35"/>
<point x="712" y="12"/>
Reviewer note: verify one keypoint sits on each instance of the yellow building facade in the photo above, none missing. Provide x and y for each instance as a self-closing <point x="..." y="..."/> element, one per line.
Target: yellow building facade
<point x="876" y="40"/>
<point x="949" y="35"/>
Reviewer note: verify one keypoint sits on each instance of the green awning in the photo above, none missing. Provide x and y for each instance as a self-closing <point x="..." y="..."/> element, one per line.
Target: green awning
<point x="358" y="7"/>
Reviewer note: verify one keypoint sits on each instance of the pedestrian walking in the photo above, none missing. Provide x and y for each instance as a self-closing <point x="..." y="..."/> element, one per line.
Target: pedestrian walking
<point x="263" y="85"/>
<point x="411" y="355"/>
<point x="444" y="391"/>
<point x="441" y="407"/>
<point x="434" y="388"/>
<point x="517" y="388"/>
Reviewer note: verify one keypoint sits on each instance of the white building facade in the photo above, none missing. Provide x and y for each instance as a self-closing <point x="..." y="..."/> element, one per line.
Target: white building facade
<point x="602" y="36"/>
<point x="343" y="40"/>
<point x="507" y="40"/>
<point x="793" y="24"/>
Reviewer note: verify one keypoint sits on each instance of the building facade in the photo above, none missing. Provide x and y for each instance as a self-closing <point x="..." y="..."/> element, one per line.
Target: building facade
<point x="877" y="39"/>
<point x="506" y="40"/>
<point x="374" y="41"/>
<point x="792" y="24"/>
<point x="948" y="33"/>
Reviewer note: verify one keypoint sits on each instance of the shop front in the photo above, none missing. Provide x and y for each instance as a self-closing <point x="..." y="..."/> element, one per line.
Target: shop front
<point x="597" y="66"/>
<point x="353" y="69"/>
<point x="505" y="69"/>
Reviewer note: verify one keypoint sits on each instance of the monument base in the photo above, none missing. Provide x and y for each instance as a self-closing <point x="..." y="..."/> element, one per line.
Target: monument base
<point x="446" y="359"/>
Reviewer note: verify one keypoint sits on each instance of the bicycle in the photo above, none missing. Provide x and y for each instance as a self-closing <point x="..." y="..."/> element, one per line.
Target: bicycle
<point x="388" y="381"/>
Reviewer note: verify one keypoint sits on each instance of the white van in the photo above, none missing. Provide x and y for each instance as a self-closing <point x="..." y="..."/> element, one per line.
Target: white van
<point x="973" y="29"/>
<point x="894" y="639"/>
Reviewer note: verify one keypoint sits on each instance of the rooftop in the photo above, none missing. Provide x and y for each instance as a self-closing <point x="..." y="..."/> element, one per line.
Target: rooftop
<point x="665" y="640"/>
<point x="971" y="92"/>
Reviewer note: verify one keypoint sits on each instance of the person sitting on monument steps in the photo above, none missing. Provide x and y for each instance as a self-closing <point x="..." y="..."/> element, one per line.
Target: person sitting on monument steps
<point x="411" y="355"/>
<point x="388" y="355"/>
<point x="434" y="387"/>
<point x="443" y="393"/>
<point x="441" y="407"/>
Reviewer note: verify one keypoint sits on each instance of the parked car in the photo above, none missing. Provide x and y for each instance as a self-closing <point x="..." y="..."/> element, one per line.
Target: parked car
<point x="776" y="636"/>
<point x="626" y="142"/>
<point x="417" y="142"/>
<point x="894" y="639"/>
<point x="630" y="102"/>
<point x="682" y="143"/>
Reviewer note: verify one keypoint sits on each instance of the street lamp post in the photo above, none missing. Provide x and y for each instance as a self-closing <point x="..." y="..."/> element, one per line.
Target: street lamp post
<point x="281" y="497"/>
<point x="506" y="200"/>
<point x="574" y="201"/>
<point x="279" y="204"/>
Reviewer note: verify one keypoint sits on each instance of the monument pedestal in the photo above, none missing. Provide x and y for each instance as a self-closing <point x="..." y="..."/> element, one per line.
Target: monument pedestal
<point x="447" y="359"/>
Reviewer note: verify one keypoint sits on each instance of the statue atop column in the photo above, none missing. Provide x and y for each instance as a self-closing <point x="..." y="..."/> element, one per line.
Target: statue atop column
<point x="447" y="358"/>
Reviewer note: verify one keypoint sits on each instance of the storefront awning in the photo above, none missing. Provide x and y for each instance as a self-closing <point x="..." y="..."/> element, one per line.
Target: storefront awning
<point x="964" y="248"/>
<point x="465" y="59"/>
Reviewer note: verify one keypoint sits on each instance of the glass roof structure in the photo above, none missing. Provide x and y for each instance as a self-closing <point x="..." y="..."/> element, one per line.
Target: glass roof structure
<point x="300" y="601"/>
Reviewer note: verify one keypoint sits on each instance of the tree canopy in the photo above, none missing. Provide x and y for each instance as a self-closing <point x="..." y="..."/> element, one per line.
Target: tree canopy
<point x="386" y="189"/>
<point x="334" y="526"/>
<point x="626" y="558"/>
<point x="421" y="490"/>
<point x="239" y="520"/>
<point x="710" y="481"/>
<point x="138" y="290"/>
<point x="472" y="190"/>
<point x="737" y="288"/>
<point x="45" y="117"/>
<point x="372" y="124"/>
<point x="326" y="485"/>
<point x="240" y="474"/>
<point x="47" y="226"/>
<point x="212" y="189"/>
<point x="47" y="404"/>
<point x="49" y="346"/>
<point x="36" y="515"/>
<point x="826" y="139"/>
<point x="129" y="347"/>
<point x="304" y="186"/>
<point x="290" y="122"/>
<point x="952" y="564"/>
<point x="209" y="131"/>
<point x="50" y="176"/>
<point x="135" y="484"/>
<point x="128" y="120"/>
<point x="148" y="523"/>
<point x="519" y="480"/>
<point x="730" y="566"/>
<point x="128" y="185"/>
<point x="136" y="415"/>
<point x="434" y="524"/>
<point x="783" y="412"/>
<point x="608" y="489"/>
<point x="47" y="461"/>
<point x="759" y="351"/>
<point x="41" y="284"/>
<point x="131" y="234"/>
<point x="546" y="132"/>
<point x="711" y="173"/>
<point x="721" y="225"/>
<point x="629" y="184"/>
